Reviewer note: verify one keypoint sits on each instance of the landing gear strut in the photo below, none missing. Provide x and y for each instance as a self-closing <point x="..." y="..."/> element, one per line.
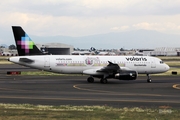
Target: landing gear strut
<point x="148" y="78"/>
<point x="90" y="79"/>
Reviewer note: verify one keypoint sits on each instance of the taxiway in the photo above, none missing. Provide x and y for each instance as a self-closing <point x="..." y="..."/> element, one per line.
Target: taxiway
<point x="74" y="90"/>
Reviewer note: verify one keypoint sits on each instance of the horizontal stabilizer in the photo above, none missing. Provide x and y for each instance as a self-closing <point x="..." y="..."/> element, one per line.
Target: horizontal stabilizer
<point x="26" y="60"/>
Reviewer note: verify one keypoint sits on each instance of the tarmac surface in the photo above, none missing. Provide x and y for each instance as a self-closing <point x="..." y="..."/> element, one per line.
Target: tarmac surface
<point x="75" y="90"/>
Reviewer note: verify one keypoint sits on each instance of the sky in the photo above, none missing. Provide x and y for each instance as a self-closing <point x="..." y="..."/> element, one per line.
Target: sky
<point x="88" y="17"/>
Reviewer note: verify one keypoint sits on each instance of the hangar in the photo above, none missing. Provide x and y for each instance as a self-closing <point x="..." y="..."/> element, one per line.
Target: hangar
<point x="165" y="51"/>
<point x="56" y="48"/>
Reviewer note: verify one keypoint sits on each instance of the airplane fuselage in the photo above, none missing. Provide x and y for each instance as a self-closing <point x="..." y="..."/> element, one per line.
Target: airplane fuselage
<point x="72" y="64"/>
<point x="103" y="67"/>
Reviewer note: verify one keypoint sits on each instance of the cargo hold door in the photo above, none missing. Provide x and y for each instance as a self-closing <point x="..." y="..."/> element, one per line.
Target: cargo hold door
<point x="46" y="62"/>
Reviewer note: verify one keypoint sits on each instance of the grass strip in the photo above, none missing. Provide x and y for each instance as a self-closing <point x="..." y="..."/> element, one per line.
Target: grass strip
<point x="67" y="112"/>
<point x="170" y="58"/>
<point x="46" y="73"/>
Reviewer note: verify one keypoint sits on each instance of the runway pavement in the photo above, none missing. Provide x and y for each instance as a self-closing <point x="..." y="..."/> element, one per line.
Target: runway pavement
<point x="74" y="90"/>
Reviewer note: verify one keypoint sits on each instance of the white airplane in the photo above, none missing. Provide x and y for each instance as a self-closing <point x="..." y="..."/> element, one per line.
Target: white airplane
<point x="103" y="67"/>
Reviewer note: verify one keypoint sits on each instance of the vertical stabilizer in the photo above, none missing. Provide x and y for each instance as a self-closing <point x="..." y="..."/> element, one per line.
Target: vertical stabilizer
<point x="25" y="45"/>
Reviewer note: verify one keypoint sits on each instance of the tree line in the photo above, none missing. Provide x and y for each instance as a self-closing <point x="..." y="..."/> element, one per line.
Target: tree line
<point x="11" y="47"/>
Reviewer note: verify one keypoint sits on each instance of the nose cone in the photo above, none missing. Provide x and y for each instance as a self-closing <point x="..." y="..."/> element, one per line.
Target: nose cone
<point x="167" y="67"/>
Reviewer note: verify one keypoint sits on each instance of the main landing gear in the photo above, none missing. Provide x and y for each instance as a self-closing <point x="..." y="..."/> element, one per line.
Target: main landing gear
<point x="90" y="79"/>
<point x="102" y="80"/>
<point x="148" y="78"/>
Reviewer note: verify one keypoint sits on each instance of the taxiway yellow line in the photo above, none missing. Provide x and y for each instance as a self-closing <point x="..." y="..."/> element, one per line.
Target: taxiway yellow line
<point x="176" y="86"/>
<point x="117" y="93"/>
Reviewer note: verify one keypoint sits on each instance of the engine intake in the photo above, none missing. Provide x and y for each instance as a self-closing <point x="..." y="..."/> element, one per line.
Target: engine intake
<point x="126" y="75"/>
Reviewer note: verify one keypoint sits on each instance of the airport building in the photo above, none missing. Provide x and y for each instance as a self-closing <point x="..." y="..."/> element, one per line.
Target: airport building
<point x="161" y="51"/>
<point x="165" y="51"/>
<point x="8" y="52"/>
<point x="64" y="49"/>
<point x="49" y="48"/>
<point x="56" y="48"/>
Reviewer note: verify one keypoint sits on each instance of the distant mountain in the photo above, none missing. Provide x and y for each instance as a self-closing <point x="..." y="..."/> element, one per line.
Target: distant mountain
<point x="128" y="40"/>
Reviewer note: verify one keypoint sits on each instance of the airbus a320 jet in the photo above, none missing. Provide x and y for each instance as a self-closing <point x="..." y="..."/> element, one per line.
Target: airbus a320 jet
<point x="103" y="67"/>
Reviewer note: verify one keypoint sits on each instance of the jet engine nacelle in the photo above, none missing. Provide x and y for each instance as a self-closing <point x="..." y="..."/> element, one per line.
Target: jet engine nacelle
<point x="126" y="75"/>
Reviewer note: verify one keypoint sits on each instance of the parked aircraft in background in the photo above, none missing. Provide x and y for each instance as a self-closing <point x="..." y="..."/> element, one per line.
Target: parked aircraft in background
<point x="8" y="54"/>
<point x="103" y="67"/>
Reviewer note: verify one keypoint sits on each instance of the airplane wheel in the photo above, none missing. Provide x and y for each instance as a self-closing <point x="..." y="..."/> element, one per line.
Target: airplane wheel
<point x="149" y="80"/>
<point x="104" y="81"/>
<point x="90" y="79"/>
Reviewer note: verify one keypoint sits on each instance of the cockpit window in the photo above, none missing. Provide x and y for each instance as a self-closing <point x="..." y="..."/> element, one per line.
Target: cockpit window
<point x="161" y="62"/>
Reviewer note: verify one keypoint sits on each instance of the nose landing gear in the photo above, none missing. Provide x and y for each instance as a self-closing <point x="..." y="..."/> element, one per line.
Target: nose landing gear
<point x="148" y="78"/>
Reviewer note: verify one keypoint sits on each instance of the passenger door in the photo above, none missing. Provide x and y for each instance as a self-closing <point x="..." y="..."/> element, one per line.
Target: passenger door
<point x="153" y="64"/>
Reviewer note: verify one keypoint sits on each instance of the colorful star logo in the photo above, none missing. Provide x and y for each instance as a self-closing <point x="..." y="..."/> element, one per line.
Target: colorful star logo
<point x="26" y="43"/>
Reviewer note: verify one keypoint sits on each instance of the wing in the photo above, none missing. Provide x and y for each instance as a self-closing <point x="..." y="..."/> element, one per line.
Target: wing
<point x="110" y="68"/>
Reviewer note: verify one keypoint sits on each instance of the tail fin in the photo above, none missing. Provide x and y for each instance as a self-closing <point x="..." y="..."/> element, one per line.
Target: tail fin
<point x="25" y="45"/>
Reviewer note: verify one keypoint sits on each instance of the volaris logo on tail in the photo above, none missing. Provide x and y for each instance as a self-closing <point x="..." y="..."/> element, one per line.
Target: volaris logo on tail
<point x="26" y="43"/>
